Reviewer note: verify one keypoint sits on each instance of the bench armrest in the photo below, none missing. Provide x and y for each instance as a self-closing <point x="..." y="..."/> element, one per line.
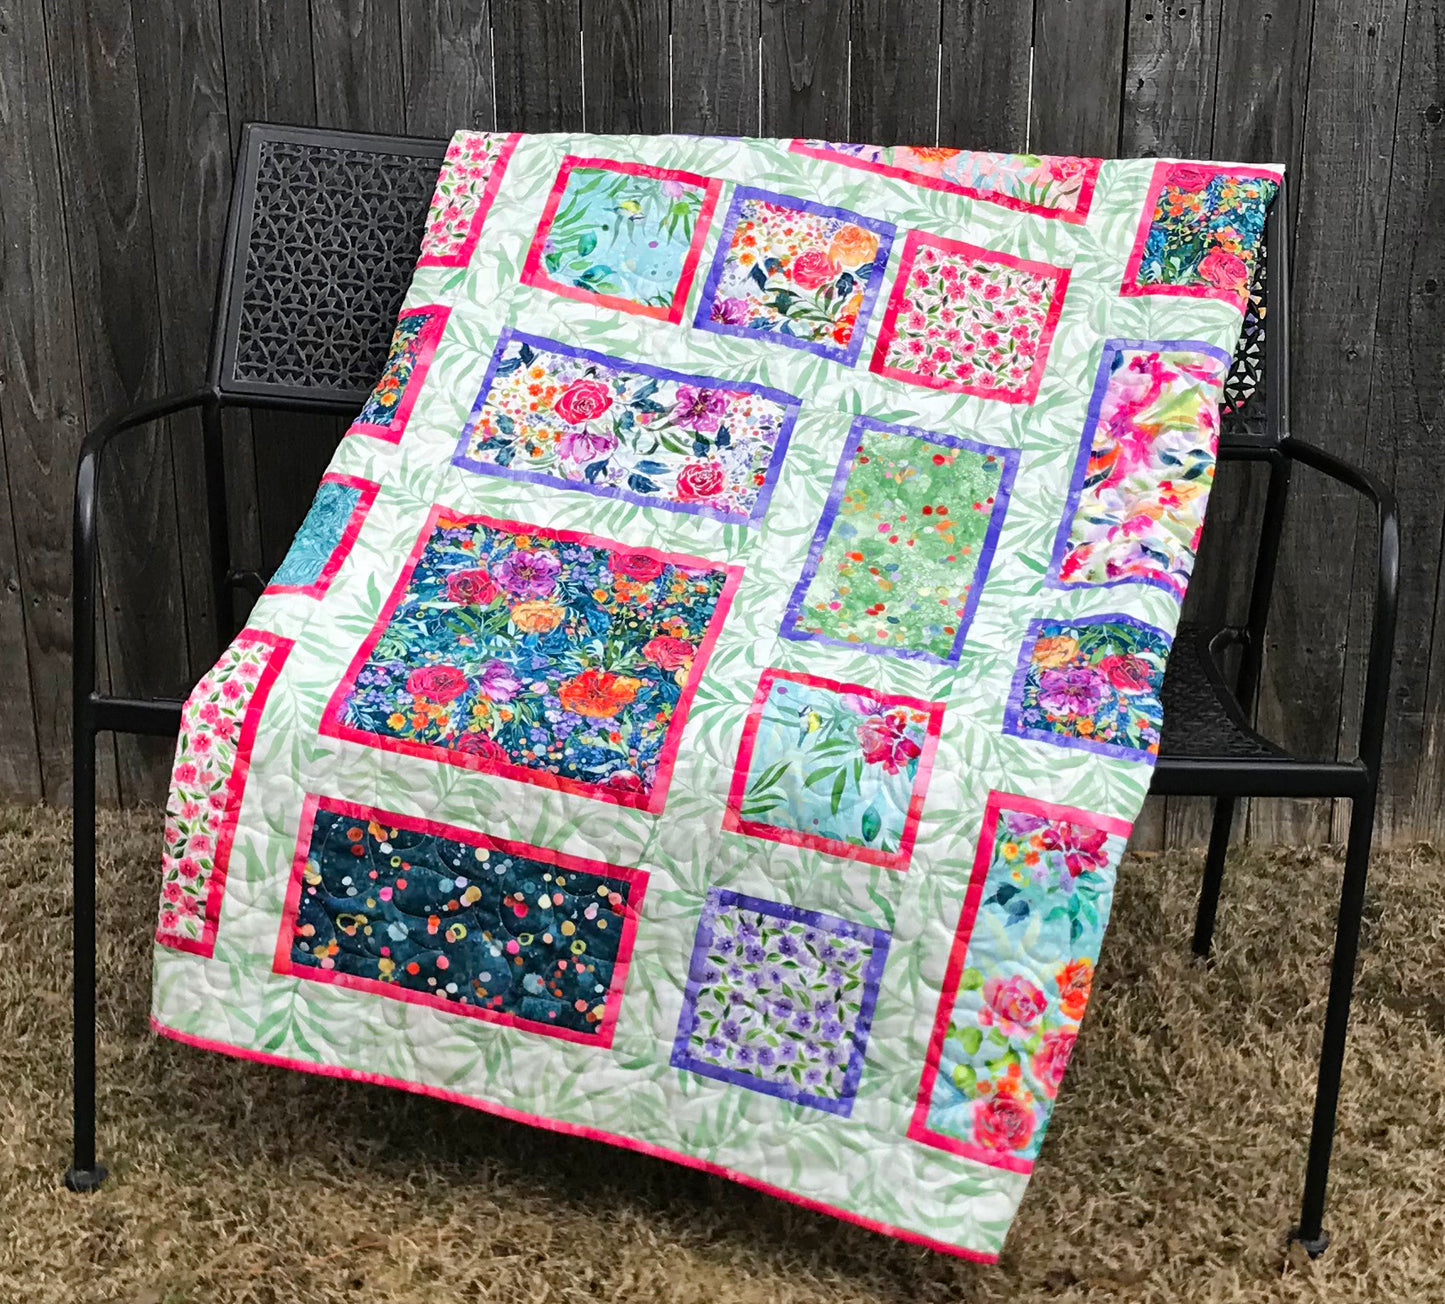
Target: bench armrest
<point x="1387" y="580"/>
<point x="87" y="483"/>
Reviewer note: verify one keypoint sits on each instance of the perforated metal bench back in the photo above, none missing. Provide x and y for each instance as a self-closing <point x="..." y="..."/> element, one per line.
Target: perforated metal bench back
<point x="325" y="228"/>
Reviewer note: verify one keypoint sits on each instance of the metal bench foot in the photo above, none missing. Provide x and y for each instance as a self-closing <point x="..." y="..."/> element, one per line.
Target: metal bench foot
<point x="85" y="1180"/>
<point x="1314" y="1248"/>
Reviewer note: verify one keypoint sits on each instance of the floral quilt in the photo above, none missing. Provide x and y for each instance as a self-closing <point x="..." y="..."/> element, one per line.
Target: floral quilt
<point x="707" y="702"/>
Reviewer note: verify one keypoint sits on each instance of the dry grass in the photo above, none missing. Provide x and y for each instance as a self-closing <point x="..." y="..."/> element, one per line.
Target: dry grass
<point x="1171" y="1172"/>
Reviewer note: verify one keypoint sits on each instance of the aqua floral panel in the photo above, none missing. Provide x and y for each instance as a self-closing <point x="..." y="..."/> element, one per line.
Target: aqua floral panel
<point x="970" y="320"/>
<point x="1018" y="979"/>
<point x="1044" y="185"/>
<point x="837" y="767"/>
<point x="386" y="412"/>
<point x="899" y="558"/>
<point x="558" y="415"/>
<point x="436" y="915"/>
<point x="780" y="1000"/>
<point x="208" y="780"/>
<point x="548" y="656"/>
<point x="622" y="235"/>
<point x="1092" y="683"/>
<point x="1136" y="503"/>
<point x="796" y="273"/>
<point x="326" y="536"/>
<point x="1201" y="231"/>
<point x="468" y="182"/>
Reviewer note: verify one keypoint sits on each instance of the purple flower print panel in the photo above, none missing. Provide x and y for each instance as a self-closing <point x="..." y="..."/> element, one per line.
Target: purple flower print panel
<point x="559" y="415"/>
<point x="796" y="273"/>
<point x="1092" y="683"/>
<point x="780" y="1000"/>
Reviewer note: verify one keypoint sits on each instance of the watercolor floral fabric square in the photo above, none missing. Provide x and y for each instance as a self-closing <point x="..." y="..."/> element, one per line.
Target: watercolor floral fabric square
<point x="902" y="550"/>
<point x="387" y="411"/>
<point x="622" y="235"/>
<point x="569" y="417"/>
<point x="470" y="177"/>
<point x="1093" y="683"/>
<point x="1201" y="231"/>
<point x="794" y="272"/>
<point x="424" y="912"/>
<point x="836" y="767"/>
<point x="1018" y="979"/>
<point x="1135" y="511"/>
<point x="547" y="656"/>
<point x="972" y="320"/>
<point x="780" y="1000"/>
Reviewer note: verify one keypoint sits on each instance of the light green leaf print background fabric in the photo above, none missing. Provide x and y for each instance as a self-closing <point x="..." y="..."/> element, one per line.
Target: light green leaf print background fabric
<point x="691" y="742"/>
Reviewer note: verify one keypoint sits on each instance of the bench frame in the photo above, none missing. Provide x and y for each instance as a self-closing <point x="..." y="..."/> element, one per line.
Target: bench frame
<point x="394" y="174"/>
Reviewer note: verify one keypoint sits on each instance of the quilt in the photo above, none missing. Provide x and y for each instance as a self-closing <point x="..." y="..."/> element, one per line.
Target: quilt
<point x="707" y="701"/>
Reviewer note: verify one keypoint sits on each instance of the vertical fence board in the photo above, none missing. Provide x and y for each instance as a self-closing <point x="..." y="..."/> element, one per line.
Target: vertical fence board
<point x="1348" y="127"/>
<point x="1406" y="421"/>
<point x="537" y="52"/>
<point x="894" y="74"/>
<point x="19" y="749"/>
<point x="715" y="67"/>
<point x="357" y="47"/>
<point x="805" y="68"/>
<point x="986" y="50"/>
<point x="92" y="52"/>
<point x="1078" y="69"/>
<point x="446" y="60"/>
<point x="626" y="65"/>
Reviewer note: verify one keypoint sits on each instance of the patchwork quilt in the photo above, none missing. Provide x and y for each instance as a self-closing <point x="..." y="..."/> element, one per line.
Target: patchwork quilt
<point x="707" y="701"/>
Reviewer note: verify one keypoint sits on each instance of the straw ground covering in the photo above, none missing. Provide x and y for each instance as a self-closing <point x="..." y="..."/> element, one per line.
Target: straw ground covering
<point x="1171" y="1171"/>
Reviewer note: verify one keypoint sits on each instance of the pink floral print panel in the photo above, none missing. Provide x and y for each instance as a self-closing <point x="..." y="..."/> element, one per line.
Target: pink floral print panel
<point x="218" y="730"/>
<point x="466" y="186"/>
<point x="970" y="320"/>
<point x="1136" y="504"/>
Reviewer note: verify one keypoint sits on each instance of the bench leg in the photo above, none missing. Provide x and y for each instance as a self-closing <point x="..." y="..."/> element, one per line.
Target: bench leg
<point x="1311" y="1233"/>
<point x="1213" y="875"/>
<point x="84" y="1173"/>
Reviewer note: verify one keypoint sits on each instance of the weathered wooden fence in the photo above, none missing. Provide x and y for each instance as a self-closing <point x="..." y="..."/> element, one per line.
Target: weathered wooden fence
<point x="120" y="121"/>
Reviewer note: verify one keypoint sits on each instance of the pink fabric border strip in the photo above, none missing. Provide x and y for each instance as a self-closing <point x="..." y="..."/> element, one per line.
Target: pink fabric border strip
<point x="571" y="1129"/>
<point x="282" y="963"/>
<point x="918" y="1129"/>
<point x="333" y="726"/>
<point x="431" y="335"/>
<point x="368" y="489"/>
<point x="733" y="821"/>
<point x="235" y="791"/>
<point x="464" y="251"/>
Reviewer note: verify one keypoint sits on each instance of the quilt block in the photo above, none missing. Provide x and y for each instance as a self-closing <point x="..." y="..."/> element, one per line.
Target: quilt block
<point x="707" y="702"/>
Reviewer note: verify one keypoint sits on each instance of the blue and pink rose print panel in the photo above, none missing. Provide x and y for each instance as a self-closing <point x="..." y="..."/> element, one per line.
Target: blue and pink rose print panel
<point x="435" y="915"/>
<point x="1093" y="683"/>
<point x="1018" y="979"/>
<point x="780" y="1000"/>
<point x="900" y="555"/>
<point x="554" y="414"/>
<point x="792" y="272"/>
<point x="838" y="768"/>
<point x="550" y="657"/>
<point x="388" y="409"/>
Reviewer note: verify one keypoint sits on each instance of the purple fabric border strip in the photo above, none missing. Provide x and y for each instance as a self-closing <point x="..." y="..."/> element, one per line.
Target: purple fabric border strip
<point x="885" y="231"/>
<point x="1011" y="723"/>
<point x="1112" y="348"/>
<point x="790" y="402"/>
<point x="1010" y="459"/>
<point x="717" y="898"/>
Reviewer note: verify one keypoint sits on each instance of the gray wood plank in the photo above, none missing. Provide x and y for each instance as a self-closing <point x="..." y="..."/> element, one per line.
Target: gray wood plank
<point x="270" y="75"/>
<point x="715" y="67"/>
<point x="894" y="71"/>
<point x="537" y="52"/>
<point x="446" y="48"/>
<point x="357" y="49"/>
<point x="20" y="777"/>
<point x="984" y="87"/>
<point x="1078" y="70"/>
<point x="805" y="69"/>
<point x="626" y="67"/>
<point x="107" y="202"/>
<point x="1171" y="59"/>
<point x="42" y="408"/>
<point x="1348" y="125"/>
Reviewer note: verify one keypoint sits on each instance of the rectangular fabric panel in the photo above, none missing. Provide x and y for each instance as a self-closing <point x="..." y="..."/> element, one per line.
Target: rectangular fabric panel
<point x="708" y="700"/>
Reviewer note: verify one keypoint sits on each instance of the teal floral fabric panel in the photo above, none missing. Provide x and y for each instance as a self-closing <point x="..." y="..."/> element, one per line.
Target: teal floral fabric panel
<point x="706" y="704"/>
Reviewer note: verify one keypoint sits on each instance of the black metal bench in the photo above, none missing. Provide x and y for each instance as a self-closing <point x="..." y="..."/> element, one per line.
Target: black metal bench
<point x="323" y="232"/>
